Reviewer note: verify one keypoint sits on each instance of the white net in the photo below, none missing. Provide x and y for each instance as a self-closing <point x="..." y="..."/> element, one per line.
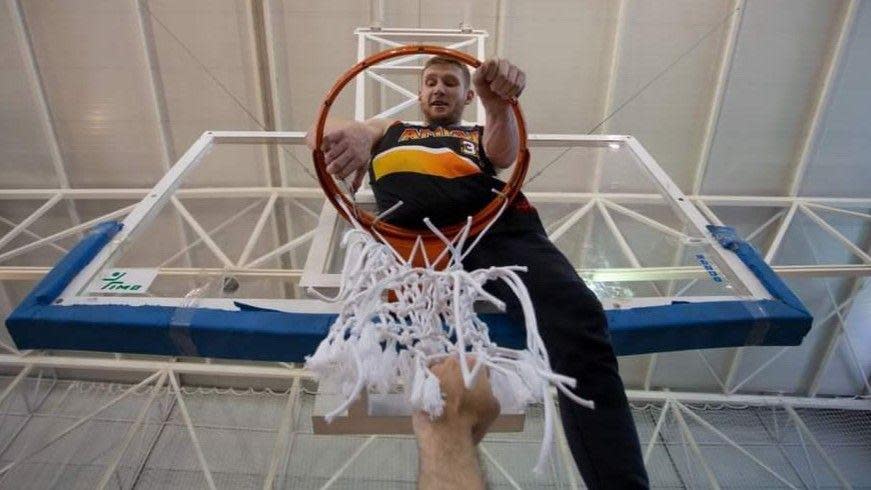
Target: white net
<point x="387" y="345"/>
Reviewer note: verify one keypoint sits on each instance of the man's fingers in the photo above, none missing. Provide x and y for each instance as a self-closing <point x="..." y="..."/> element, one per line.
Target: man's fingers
<point x="349" y="169"/>
<point x="504" y="66"/>
<point x="348" y="166"/>
<point x="335" y="150"/>
<point x="358" y="179"/>
<point x="328" y="142"/>
<point x="337" y="165"/>
<point x="516" y="83"/>
<point x="500" y="86"/>
<point x="482" y="71"/>
<point x="521" y="84"/>
<point x="506" y="81"/>
<point x="334" y="158"/>
<point x="489" y="69"/>
<point x="512" y="78"/>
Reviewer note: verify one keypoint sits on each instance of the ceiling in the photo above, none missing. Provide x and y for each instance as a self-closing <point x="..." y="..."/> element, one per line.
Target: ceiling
<point x="775" y="122"/>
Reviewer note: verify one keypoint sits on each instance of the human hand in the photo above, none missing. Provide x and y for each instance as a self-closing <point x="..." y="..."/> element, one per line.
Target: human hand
<point x="347" y="151"/>
<point x="467" y="412"/>
<point x="498" y="79"/>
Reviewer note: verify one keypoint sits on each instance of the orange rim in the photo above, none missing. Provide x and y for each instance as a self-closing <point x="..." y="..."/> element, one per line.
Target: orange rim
<point x="403" y="239"/>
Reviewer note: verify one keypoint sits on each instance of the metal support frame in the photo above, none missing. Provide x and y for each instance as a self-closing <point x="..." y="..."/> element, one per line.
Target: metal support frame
<point x="341" y="470"/>
<point x="131" y="433"/>
<point x="159" y="369"/>
<point x="140" y="213"/>
<point x="165" y="191"/>
<point x="263" y="47"/>
<point x="158" y="95"/>
<point x="283" y="438"/>
<point x="838" y="333"/>
<point x="726" y="57"/>
<point x="157" y="372"/>
<point x="46" y="118"/>
<point x="738" y="353"/>
<point x="802" y="427"/>
<point x="391" y="38"/>
<point x="585" y="201"/>
<point x="688" y="436"/>
<point x="678" y="407"/>
<point x="182" y="406"/>
<point x="811" y="133"/>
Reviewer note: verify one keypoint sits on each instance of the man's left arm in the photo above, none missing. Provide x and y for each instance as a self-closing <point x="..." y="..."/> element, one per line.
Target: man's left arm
<point x="497" y="81"/>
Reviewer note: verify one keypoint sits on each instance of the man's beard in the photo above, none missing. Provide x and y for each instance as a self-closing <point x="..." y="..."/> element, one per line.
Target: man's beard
<point x="448" y="119"/>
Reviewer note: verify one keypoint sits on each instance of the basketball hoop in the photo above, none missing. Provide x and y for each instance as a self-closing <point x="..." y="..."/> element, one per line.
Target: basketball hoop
<point x="405" y="241"/>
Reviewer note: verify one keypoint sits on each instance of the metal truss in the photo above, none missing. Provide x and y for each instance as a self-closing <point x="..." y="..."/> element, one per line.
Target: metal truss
<point x="683" y="412"/>
<point x="604" y="203"/>
<point x="158" y="374"/>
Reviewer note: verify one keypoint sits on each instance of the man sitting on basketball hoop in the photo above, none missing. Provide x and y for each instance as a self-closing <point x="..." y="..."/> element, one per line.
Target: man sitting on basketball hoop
<point x="446" y="171"/>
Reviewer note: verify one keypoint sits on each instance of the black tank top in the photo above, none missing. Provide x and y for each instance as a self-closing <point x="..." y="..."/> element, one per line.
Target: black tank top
<point x="437" y="172"/>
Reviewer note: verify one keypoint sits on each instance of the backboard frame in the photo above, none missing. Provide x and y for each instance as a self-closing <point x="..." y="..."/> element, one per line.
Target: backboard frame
<point x="763" y="317"/>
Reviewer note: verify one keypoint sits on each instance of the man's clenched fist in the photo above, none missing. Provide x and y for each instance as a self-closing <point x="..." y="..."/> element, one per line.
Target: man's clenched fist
<point x="498" y="79"/>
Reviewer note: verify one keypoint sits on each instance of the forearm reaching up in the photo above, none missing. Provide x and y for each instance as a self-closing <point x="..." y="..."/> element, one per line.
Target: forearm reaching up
<point x="347" y="146"/>
<point x="496" y="82"/>
<point x="446" y="445"/>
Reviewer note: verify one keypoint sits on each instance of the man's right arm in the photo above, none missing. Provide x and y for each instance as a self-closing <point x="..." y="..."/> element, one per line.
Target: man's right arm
<point x="348" y="145"/>
<point x="375" y="126"/>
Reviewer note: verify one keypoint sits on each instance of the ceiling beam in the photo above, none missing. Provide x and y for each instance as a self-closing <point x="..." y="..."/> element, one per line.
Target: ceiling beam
<point x="836" y="333"/>
<point x="539" y="196"/>
<point x="812" y="130"/>
<point x="158" y="98"/>
<point x="501" y="27"/>
<point x="820" y="364"/>
<point x="622" y="275"/>
<point x="156" y="88"/>
<point x="46" y="117"/>
<point x="611" y="87"/>
<point x="728" y="53"/>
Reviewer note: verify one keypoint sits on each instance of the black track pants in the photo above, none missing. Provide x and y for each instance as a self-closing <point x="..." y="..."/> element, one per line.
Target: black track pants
<point x="572" y="324"/>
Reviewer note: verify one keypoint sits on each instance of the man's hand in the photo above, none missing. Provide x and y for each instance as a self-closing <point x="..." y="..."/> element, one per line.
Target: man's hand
<point x="447" y="444"/>
<point x="498" y="80"/>
<point x="466" y="412"/>
<point x="347" y="151"/>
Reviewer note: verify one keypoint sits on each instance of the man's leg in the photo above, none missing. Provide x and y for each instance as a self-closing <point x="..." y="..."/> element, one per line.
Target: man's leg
<point x="572" y="324"/>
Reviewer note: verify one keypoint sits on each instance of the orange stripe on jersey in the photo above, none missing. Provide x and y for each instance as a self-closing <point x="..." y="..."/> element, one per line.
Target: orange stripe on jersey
<point x="441" y="162"/>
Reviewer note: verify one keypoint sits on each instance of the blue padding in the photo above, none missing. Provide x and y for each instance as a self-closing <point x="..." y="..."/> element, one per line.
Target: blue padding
<point x="256" y="335"/>
<point x="705" y="326"/>
<point x="262" y="334"/>
<point x="728" y="238"/>
<point x="74" y="261"/>
<point x="280" y="336"/>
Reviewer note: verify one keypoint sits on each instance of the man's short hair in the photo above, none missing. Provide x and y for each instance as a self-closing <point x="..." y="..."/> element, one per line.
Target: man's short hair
<point x="441" y="60"/>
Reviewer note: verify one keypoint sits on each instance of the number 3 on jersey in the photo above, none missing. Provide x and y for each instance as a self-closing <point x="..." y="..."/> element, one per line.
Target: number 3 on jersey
<point x="469" y="148"/>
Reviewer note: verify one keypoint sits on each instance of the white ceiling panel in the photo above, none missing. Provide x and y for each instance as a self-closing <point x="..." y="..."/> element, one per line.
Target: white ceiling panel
<point x="840" y="163"/>
<point x="25" y="159"/>
<point x="565" y="48"/>
<point x="781" y="49"/>
<point x="93" y="71"/>
<point x="669" y="115"/>
<point x="317" y="44"/>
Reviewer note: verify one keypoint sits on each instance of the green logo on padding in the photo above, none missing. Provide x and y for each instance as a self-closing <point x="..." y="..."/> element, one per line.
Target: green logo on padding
<point x="114" y="283"/>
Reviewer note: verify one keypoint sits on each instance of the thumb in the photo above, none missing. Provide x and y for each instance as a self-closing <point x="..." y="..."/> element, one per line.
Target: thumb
<point x="483" y="71"/>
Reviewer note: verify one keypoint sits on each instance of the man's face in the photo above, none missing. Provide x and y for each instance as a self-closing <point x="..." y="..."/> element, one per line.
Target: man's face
<point x="443" y="95"/>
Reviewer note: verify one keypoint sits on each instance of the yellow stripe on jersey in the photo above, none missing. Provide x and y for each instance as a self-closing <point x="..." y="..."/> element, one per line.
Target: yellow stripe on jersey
<point x="441" y="162"/>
